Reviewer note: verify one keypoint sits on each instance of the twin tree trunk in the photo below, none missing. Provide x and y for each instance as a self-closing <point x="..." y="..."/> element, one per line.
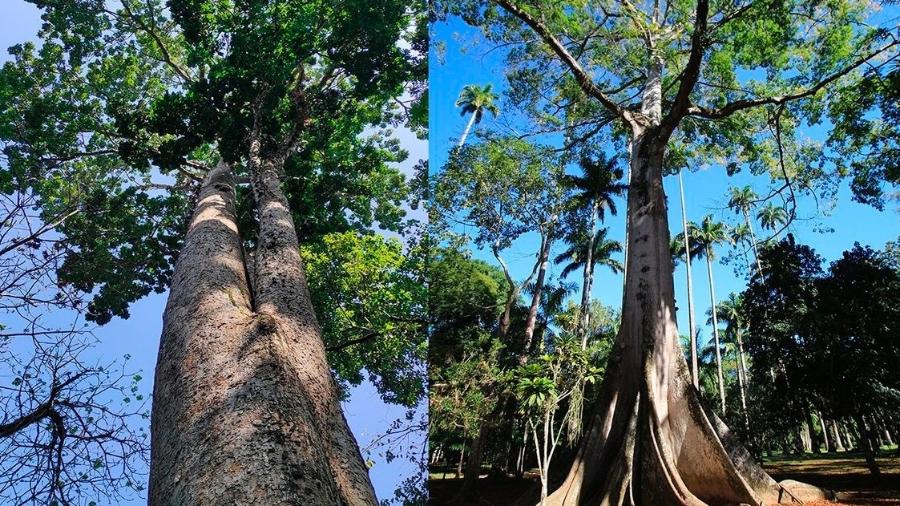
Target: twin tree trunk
<point x="650" y="440"/>
<point x="245" y="408"/>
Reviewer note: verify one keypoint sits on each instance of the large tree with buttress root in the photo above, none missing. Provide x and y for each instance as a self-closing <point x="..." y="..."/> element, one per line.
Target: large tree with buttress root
<point x="677" y="82"/>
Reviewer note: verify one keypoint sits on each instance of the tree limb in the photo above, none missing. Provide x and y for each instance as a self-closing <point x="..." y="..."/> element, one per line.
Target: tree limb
<point x="691" y="73"/>
<point x="740" y="105"/>
<point x="581" y="76"/>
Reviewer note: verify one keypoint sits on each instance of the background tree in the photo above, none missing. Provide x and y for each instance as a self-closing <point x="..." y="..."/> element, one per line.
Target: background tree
<point x="542" y="386"/>
<point x="709" y="234"/>
<point x="475" y="100"/>
<point x="594" y="192"/>
<point x="577" y="257"/>
<point x="686" y="246"/>
<point x="773" y="218"/>
<point x="741" y="201"/>
<point x="730" y="312"/>
<point x="504" y="189"/>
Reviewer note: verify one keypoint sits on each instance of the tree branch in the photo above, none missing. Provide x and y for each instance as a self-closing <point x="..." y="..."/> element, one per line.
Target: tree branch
<point x="691" y="73"/>
<point x="166" y="54"/>
<point x="740" y="105"/>
<point x="346" y="344"/>
<point x="581" y="76"/>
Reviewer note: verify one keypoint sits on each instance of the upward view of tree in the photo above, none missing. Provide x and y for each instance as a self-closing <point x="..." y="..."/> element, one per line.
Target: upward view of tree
<point x="218" y="134"/>
<point x="475" y="100"/>
<point x="683" y="85"/>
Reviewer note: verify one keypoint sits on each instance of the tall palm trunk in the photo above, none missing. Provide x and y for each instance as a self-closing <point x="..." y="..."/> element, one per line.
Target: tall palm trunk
<point x="245" y="409"/>
<point x="742" y="377"/>
<point x="695" y="374"/>
<point x="715" y="319"/>
<point x="753" y="240"/>
<point x="462" y="139"/>
<point x="586" y="285"/>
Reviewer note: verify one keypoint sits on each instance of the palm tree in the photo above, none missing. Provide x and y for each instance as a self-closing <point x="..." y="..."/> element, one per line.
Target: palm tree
<point x="577" y="256"/>
<point x="729" y="311"/>
<point x="594" y="191"/>
<point x="706" y="237"/>
<point x="741" y="201"/>
<point x="685" y="238"/>
<point x="475" y="100"/>
<point x="741" y="236"/>
<point x="771" y="217"/>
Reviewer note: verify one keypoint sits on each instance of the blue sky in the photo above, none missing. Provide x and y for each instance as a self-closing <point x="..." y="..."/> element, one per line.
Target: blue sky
<point x="461" y="56"/>
<point x="138" y="336"/>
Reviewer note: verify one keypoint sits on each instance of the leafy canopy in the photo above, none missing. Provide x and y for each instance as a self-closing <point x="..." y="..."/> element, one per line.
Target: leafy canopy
<point x="124" y="105"/>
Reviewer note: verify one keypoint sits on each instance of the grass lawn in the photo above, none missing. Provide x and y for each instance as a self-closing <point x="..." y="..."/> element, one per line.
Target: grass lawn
<point x="846" y="474"/>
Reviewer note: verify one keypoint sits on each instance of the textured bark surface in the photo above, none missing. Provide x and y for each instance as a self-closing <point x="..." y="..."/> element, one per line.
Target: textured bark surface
<point x="650" y="441"/>
<point x="239" y="412"/>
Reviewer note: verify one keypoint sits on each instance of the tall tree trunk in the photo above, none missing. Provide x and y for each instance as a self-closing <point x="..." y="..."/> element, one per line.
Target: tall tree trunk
<point x="531" y="320"/>
<point x="473" y="464"/>
<point x="650" y="441"/>
<point x="245" y="409"/>
<point x="836" y="437"/>
<point x="462" y="139"/>
<point x="742" y="375"/>
<point x="753" y="241"/>
<point x="806" y="438"/>
<point x="867" y="441"/>
<point x="462" y="457"/>
<point x="512" y="294"/>
<point x="692" y="326"/>
<point x="824" y="427"/>
<point x="814" y="440"/>
<point x="715" y="319"/>
<point x="586" y="284"/>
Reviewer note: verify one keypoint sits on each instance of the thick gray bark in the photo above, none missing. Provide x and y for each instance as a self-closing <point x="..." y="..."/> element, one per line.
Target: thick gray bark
<point x="650" y="440"/>
<point x="245" y="409"/>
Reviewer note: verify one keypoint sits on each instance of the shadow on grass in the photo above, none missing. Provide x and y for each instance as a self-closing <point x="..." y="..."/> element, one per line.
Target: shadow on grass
<point x="844" y="473"/>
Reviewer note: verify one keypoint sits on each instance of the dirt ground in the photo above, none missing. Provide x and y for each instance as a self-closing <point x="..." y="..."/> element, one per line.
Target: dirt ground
<point x="845" y="474"/>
